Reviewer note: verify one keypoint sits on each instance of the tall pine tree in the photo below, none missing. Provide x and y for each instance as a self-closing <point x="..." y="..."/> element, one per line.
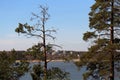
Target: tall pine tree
<point x="104" y="20"/>
<point x="38" y="30"/>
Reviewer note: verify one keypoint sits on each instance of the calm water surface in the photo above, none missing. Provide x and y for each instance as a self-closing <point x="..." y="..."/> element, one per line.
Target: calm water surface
<point x="70" y="67"/>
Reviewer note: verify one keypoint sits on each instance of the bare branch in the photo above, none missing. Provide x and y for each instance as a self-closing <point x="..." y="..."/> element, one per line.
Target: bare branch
<point x="55" y="45"/>
<point x="30" y="34"/>
<point x="53" y="30"/>
<point x="35" y="15"/>
<point x="39" y="30"/>
<point x="104" y="34"/>
<point x="50" y="36"/>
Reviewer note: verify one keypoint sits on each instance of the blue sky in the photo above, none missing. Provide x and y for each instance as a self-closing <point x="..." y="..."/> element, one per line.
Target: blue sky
<point x="69" y="17"/>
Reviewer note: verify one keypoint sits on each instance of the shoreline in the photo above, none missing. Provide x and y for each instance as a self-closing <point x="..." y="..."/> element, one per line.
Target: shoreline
<point x="60" y="60"/>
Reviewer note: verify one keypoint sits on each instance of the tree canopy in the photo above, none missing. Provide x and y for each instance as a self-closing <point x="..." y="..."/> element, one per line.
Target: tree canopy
<point x="9" y="68"/>
<point x="100" y="59"/>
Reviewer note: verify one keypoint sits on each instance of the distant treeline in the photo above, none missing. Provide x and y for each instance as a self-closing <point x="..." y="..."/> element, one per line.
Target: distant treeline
<point x="67" y="55"/>
<point x="23" y="55"/>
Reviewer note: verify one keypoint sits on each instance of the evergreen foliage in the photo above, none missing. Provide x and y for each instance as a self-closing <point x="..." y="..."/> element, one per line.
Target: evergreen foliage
<point x="36" y="51"/>
<point x="104" y="19"/>
<point x="53" y="73"/>
<point x="9" y="68"/>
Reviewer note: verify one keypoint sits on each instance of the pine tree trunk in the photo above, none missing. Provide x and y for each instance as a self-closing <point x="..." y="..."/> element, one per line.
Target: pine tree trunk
<point x="44" y="46"/>
<point x="112" y="40"/>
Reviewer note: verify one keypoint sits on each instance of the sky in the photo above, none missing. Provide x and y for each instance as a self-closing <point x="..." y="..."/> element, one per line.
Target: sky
<point x="69" y="17"/>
